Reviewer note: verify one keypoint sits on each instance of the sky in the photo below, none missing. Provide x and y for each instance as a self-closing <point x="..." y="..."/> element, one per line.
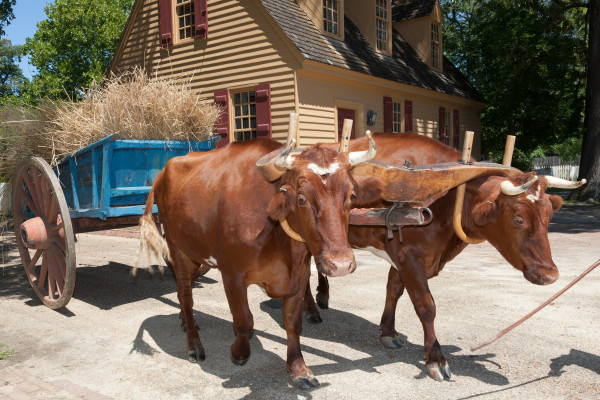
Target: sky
<point x="27" y="14"/>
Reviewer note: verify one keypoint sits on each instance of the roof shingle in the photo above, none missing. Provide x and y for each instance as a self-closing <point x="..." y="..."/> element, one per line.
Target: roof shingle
<point x="356" y="54"/>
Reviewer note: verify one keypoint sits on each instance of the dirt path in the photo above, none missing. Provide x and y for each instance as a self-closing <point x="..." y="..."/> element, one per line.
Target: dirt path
<point x="119" y="337"/>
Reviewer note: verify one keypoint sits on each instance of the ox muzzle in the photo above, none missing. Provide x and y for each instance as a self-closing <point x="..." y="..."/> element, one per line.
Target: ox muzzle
<point x="336" y="264"/>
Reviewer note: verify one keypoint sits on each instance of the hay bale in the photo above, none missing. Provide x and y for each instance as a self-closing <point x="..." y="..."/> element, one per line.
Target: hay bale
<point x="133" y="105"/>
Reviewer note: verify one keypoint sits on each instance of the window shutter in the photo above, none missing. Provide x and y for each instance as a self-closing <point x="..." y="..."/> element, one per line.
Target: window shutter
<point x="201" y="18"/>
<point x="388" y="115"/>
<point x="221" y="98"/>
<point x="408" y="116"/>
<point x="263" y="110"/>
<point x="442" y="125"/>
<point x="165" y="12"/>
<point x="456" y="128"/>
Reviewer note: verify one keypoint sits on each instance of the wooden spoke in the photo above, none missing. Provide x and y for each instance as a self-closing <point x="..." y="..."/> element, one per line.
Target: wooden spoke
<point x="46" y="196"/>
<point x="53" y="212"/>
<point x="30" y="187"/>
<point x="60" y="243"/>
<point x="59" y="269"/>
<point x="29" y="203"/>
<point x="43" y="271"/>
<point x="51" y="277"/>
<point x="35" y="259"/>
<point x="35" y="176"/>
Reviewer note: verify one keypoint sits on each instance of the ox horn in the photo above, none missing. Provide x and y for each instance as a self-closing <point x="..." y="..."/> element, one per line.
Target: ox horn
<point x="357" y="157"/>
<point x="563" y="183"/>
<point x="509" y="189"/>
<point x="284" y="160"/>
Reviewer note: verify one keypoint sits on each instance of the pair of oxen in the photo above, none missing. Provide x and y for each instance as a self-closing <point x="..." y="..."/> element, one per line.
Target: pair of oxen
<point x="218" y="209"/>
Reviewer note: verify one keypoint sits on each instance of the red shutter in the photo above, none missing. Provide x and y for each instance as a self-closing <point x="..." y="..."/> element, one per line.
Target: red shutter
<point x="165" y="12"/>
<point x="200" y="18"/>
<point x="222" y="125"/>
<point x="263" y="110"/>
<point x="456" y="128"/>
<point x="408" y="122"/>
<point x="388" y="114"/>
<point x="442" y="125"/>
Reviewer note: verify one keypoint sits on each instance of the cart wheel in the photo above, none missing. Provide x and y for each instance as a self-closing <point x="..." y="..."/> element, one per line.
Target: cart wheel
<point x="44" y="232"/>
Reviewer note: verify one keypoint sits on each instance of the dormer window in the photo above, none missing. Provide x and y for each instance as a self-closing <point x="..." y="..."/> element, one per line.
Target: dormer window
<point x="382" y="15"/>
<point x="331" y="16"/>
<point x="435" y="45"/>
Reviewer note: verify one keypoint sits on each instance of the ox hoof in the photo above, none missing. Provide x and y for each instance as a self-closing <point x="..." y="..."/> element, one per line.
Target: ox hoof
<point x="249" y="336"/>
<point x="391" y="342"/>
<point x="305" y="382"/>
<point x="314" y="319"/>
<point x="239" y="363"/>
<point x="196" y="356"/>
<point x="439" y="372"/>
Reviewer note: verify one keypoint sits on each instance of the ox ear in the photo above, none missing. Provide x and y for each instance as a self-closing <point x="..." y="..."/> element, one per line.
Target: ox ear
<point x="282" y="203"/>
<point x="556" y="202"/>
<point x="367" y="189"/>
<point x="485" y="212"/>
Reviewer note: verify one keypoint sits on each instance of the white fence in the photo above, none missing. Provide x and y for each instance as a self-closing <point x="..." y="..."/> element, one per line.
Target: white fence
<point x="556" y="167"/>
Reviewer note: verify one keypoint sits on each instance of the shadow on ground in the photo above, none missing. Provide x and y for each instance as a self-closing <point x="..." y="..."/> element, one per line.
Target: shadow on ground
<point x="346" y="328"/>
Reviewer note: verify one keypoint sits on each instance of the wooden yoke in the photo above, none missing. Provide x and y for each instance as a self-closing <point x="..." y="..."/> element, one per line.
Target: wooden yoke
<point x="460" y="195"/>
<point x="460" y="191"/>
<point x="293" y="135"/>
<point x="346" y="132"/>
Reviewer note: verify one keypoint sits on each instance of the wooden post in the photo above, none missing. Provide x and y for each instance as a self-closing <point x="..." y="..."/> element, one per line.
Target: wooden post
<point x="508" y="150"/>
<point x="460" y="194"/>
<point x="346" y="132"/>
<point x="293" y="131"/>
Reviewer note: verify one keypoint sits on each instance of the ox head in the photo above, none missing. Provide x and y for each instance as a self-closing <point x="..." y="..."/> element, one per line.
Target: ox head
<point x="315" y="193"/>
<point x="513" y="215"/>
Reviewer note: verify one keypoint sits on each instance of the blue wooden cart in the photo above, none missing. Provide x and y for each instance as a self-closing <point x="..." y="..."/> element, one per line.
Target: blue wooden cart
<point x="104" y="185"/>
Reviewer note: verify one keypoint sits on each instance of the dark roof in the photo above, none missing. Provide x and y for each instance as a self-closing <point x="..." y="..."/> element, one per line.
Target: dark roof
<point x="356" y="54"/>
<point x="412" y="9"/>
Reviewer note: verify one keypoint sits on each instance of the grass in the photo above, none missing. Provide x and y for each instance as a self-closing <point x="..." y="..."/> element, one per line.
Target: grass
<point x="5" y="352"/>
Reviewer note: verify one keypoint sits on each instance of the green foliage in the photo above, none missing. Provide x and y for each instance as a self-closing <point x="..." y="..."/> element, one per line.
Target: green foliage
<point x="5" y="352"/>
<point x="6" y="14"/>
<point x="527" y="58"/>
<point x="73" y="46"/>
<point x="11" y="76"/>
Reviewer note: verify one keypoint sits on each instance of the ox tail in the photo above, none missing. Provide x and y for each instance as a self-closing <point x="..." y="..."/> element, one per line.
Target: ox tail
<point x="152" y="243"/>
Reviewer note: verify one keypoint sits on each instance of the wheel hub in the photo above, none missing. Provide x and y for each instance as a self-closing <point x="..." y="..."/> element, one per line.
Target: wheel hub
<point x="35" y="235"/>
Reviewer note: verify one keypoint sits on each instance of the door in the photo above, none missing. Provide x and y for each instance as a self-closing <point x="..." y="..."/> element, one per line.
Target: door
<point x="344" y="113"/>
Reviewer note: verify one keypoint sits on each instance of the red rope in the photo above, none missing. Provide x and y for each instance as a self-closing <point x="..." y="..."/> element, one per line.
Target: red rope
<point x="551" y="299"/>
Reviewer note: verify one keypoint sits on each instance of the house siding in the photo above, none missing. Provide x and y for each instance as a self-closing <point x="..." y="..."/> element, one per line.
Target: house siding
<point x="320" y="92"/>
<point x="243" y="49"/>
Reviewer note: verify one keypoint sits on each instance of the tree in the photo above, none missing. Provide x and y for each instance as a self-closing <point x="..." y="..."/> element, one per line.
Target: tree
<point x="6" y="14"/>
<point x="74" y="45"/>
<point x="527" y="61"/>
<point x="11" y="76"/>
<point x="589" y="167"/>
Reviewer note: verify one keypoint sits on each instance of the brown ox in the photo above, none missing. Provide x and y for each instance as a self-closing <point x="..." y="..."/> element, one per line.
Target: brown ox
<point x="218" y="210"/>
<point x="515" y="224"/>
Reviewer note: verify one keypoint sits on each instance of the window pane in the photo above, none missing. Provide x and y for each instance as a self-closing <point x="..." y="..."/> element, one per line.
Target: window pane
<point x="244" y="97"/>
<point x="253" y="123"/>
<point x="238" y="124"/>
<point x="252" y="96"/>
<point x="245" y="109"/>
<point x="237" y="98"/>
<point x="252" y="109"/>
<point x="246" y="123"/>
<point x="238" y="111"/>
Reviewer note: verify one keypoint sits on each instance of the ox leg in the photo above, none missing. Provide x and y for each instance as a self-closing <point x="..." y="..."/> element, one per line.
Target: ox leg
<point x="310" y="307"/>
<point x="185" y="274"/>
<point x="414" y="277"/>
<point x="301" y="376"/>
<point x="243" y="322"/>
<point x="395" y="287"/>
<point x="323" y="292"/>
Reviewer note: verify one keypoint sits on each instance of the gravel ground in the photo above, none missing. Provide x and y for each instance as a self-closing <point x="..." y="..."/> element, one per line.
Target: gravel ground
<point x="119" y="337"/>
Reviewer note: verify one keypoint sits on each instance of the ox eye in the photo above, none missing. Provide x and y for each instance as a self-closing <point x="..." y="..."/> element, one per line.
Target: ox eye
<point x="301" y="200"/>
<point x="353" y="197"/>
<point x="519" y="220"/>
